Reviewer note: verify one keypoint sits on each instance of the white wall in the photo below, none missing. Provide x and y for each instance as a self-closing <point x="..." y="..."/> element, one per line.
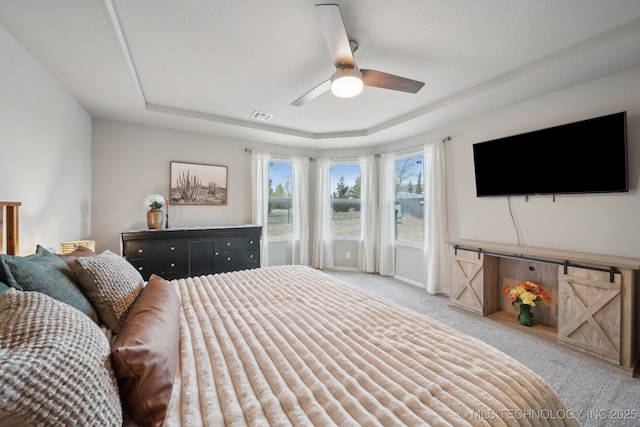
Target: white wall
<point x="131" y="161"/>
<point x="45" y="151"/>
<point x="596" y="223"/>
<point x="410" y="264"/>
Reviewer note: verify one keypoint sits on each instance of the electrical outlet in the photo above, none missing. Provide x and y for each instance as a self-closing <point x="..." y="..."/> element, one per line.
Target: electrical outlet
<point x="348" y="255"/>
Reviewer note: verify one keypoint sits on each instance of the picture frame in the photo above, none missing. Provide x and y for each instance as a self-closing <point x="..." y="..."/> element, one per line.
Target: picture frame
<point x="198" y="184"/>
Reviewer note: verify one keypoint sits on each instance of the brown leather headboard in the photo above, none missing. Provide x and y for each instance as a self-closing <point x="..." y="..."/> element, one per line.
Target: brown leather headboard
<point x="9" y="228"/>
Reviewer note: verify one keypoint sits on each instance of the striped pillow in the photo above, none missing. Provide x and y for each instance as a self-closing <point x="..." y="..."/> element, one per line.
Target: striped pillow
<point x="55" y="363"/>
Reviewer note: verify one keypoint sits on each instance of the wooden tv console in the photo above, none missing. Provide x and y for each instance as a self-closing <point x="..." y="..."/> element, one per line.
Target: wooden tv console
<point x="594" y="297"/>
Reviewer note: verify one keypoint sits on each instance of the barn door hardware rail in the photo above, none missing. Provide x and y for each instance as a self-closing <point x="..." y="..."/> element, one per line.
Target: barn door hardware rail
<point x="565" y="264"/>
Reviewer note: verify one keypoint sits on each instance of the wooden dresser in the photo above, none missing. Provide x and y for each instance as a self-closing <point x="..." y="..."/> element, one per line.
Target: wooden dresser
<point x="594" y="298"/>
<point x="192" y="251"/>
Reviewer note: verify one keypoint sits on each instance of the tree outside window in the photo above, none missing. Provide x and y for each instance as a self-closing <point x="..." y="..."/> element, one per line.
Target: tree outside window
<point x="345" y="200"/>
<point x="409" y="200"/>
<point x="280" y="215"/>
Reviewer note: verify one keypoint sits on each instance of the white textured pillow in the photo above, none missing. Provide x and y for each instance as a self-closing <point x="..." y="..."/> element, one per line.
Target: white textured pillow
<point x="111" y="284"/>
<point x="55" y="363"/>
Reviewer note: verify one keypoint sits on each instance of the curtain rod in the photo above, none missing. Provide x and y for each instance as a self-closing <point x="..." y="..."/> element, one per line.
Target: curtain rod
<point x="249" y="150"/>
<point x="443" y="140"/>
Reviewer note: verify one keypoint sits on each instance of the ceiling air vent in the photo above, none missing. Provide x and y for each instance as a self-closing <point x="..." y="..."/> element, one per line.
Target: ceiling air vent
<point x="261" y="115"/>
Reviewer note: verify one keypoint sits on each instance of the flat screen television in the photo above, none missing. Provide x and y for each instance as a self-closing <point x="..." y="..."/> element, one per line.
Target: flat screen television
<point x="588" y="156"/>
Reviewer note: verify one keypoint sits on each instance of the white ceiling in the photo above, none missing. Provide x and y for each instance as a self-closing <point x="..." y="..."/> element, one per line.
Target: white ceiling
<point x="207" y="65"/>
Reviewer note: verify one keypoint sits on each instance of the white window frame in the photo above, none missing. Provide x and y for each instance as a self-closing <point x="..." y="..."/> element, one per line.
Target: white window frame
<point x="347" y="162"/>
<point x="403" y="156"/>
<point x="275" y="159"/>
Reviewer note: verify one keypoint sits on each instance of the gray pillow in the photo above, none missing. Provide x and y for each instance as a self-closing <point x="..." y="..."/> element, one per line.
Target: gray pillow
<point x="56" y="368"/>
<point x="47" y="273"/>
<point x="111" y="284"/>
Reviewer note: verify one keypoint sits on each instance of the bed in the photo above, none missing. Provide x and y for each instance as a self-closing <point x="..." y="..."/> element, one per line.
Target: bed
<point x="285" y="345"/>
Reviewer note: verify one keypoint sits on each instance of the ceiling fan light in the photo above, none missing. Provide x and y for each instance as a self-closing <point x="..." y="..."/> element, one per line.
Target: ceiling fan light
<point x="346" y="83"/>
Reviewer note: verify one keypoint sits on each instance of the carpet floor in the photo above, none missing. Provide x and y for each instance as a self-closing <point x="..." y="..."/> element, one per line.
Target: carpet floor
<point x="595" y="395"/>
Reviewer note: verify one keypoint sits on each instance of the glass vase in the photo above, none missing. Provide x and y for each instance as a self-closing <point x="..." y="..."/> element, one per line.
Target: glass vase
<point x="525" y="317"/>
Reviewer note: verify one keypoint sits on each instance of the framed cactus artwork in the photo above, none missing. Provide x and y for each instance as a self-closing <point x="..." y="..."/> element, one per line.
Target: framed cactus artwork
<point x="198" y="184"/>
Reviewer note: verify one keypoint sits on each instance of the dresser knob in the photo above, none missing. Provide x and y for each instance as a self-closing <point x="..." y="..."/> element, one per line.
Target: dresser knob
<point x="228" y="258"/>
<point x="173" y="264"/>
<point x="228" y="243"/>
<point x="173" y="248"/>
<point x="140" y="268"/>
<point x="251" y="256"/>
<point x="216" y="253"/>
<point x="140" y="251"/>
<point x="251" y="242"/>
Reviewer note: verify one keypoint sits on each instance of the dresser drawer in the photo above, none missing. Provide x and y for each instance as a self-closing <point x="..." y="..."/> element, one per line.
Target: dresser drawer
<point x="237" y="260"/>
<point x="234" y="243"/>
<point x="168" y="268"/>
<point x="155" y="249"/>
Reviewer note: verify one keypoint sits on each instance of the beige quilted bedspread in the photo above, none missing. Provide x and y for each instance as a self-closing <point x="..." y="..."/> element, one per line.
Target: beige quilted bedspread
<point x="291" y="345"/>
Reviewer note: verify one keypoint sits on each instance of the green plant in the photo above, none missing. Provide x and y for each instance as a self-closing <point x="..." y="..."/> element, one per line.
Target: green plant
<point x="154" y="201"/>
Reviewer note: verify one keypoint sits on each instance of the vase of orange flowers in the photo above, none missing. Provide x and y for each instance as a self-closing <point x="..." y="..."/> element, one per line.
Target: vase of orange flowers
<point x="525" y="295"/>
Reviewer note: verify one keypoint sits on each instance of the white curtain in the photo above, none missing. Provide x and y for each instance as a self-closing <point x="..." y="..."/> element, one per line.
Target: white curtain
<point x="367" y="256"/>
<point x="386" y="215"/>
<point x="323" y="240"/>
<point x="436" y="252"/>
<point x="260" y="199"/>
<point x="300" y="208"/>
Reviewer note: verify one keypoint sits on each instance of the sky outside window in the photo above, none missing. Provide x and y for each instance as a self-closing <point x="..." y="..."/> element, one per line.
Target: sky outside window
<point x="350" y="172"/>
<point x="280" y="174"/>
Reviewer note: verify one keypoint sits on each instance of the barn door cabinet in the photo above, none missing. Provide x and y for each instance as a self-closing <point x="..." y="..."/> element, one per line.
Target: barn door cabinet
<point x="594" y="298"/>
<point x="194" y="251"/>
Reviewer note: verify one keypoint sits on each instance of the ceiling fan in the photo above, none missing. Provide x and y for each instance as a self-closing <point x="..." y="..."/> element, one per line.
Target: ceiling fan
<point x="348" y="80"/>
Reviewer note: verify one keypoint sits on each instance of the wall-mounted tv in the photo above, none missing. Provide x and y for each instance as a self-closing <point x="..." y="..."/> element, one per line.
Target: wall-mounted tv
<point x="589" y="156"/>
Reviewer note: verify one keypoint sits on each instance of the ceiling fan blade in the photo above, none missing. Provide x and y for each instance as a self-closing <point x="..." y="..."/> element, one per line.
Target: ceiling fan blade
<point x="335" y="35"/>
<point x="390" y="81"/>
<point x="313" y="93"/>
